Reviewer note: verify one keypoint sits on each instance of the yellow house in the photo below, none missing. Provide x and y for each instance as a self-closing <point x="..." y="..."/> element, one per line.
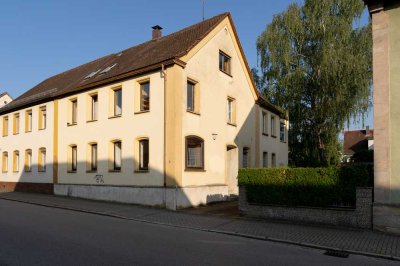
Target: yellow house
<point x="386" y="66"/>
<point x="164" y="123"/>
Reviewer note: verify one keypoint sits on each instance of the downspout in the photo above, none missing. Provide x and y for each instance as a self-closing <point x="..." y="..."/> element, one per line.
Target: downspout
<point x="164" y="74"/>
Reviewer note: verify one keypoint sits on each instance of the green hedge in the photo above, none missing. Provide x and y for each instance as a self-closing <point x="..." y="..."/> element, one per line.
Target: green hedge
<point x="316" y="187"/>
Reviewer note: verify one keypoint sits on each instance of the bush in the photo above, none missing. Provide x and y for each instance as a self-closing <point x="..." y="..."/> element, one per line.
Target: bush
<point x="316" y="187"/>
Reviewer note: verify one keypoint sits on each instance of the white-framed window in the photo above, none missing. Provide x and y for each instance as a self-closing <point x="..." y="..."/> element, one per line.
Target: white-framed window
<point x="231" y="111"/>
<point x="190" y="95"/>
<point x="93" y="157"/>
<point x="16" y="124"/>
<point x="28" y="121"/>
<point x="145" y="96"/>
<point x="224" y="63"/>
<point x="144" y="154"/>
<point x="118" y="102"/>
<point x="117" y="160"/>
<point x="194" y="152"/>
<point x="42" y="117"/>
<point x="74" y="111"/>
<point x="42" y="160"/>
<point x="16" y="162"/>
<point x="94" y="101"/>
<point x="264" y="123"/>
<point x="273" y="126"/>
<point x="73" y="164"/>
<point x="28" y="160"/>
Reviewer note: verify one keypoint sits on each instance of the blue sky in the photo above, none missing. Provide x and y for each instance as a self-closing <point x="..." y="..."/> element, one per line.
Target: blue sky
<point x="39" y="39"/>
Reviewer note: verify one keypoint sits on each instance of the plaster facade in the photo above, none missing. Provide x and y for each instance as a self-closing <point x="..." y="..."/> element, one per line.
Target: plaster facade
<point x="227" y="145"/>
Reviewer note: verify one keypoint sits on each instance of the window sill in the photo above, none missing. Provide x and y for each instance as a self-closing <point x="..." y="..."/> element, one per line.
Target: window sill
<point x="5" y="136"/>
<point x="265" y="134"/>
<point x="28" y="131"/>
<point x="91" y="121"/>
<point x="226" y="73"/>
<point x="141" y="171"/>
<point x="192" y="112"/>
<point x="195" y="170"/>
<point x="28" y="171"/>
<point x="15" y="134"/>
<point x="142" y="112"/>
<point x="42" y="171"/>
<point x="15" y="172"/>
<point x="71" y="124"/>
<point x="42" y="128"/>
<point x="115" y="116"/>
<point x="4" y="172"/>
<point x="232" y="124"/>
<point x="71" y="172"/>
<point x="273" y="136"/>
<point x="114" y="171"/>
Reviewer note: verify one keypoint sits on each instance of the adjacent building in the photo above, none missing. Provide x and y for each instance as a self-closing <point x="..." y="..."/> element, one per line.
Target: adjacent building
<point x="356" y="141"/>
<point x="5" y="98"/>
<point x="167" y="123"/>
<point x="386" y="66"/>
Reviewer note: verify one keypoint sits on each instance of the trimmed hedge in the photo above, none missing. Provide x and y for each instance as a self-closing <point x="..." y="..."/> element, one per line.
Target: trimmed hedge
<point x="315" y="187"/>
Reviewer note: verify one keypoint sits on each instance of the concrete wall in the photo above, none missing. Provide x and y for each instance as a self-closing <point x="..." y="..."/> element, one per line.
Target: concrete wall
<point x="360" y="217"/>
<point x="386" y="66"/>
<point x="171" y="198"/>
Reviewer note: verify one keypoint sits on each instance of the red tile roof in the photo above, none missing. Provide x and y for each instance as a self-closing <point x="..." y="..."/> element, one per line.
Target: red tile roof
<point x="356" y="140"/>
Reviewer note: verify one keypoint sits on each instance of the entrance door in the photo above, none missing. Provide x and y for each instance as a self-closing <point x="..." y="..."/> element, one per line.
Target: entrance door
<point x="232" y="168"/>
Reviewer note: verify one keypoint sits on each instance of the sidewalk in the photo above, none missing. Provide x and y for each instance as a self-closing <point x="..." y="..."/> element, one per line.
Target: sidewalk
<point x="349" y="240"/>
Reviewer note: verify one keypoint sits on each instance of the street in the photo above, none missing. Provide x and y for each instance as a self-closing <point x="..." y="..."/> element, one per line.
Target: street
<point x="37" y="235"/>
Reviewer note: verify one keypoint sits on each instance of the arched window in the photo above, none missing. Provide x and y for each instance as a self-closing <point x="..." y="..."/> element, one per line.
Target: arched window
<point x="194" y="152"/>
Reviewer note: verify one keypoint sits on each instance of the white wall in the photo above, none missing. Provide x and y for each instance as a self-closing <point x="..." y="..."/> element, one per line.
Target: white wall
<point x="126" y="128"/>
<point x="28" y="140"/>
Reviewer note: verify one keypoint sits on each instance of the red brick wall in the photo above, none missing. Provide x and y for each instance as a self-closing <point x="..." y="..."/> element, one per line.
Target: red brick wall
<point x="45" y="188"/>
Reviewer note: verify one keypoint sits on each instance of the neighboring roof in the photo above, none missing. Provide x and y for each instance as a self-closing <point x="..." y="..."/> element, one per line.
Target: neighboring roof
<point x="269" y="106"/>
<point x="376" y="5"/>
<point x="4" y="94"/>
<point x="142" y="58"/>
<point x="164" y="50"/>
<point x="356" y="140"/>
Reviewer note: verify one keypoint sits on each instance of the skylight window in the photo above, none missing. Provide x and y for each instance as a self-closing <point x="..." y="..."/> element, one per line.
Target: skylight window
<point x="92" y="74"/>
<point x="107" y="69"/>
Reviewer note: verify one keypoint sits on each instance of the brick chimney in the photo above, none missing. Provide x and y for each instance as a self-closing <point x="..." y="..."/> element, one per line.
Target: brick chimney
<point x="156" y="32"/>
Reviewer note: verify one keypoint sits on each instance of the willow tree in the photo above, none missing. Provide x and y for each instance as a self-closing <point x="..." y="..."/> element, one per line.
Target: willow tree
<point x="315" y="61"/>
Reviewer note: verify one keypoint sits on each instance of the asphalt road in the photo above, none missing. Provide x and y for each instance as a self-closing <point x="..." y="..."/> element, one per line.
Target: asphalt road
<point x="36" y="235"/>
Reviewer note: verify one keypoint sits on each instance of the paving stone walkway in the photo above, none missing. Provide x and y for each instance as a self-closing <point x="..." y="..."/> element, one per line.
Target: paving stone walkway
<point x="215" y="219"/>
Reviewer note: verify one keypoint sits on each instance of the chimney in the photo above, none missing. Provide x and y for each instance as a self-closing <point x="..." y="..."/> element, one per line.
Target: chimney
<point x="156" y="32"/>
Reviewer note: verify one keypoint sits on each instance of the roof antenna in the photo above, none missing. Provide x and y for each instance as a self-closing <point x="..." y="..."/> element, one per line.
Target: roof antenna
<point x="203" y="9"/>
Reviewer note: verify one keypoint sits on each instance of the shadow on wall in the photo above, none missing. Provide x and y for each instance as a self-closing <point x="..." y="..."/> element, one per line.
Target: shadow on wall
<point x="132" y="185"/>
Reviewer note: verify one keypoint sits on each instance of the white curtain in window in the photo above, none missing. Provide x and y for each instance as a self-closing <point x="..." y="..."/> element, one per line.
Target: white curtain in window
<point x="194" y="155"/>
<point x="117" y="155"/>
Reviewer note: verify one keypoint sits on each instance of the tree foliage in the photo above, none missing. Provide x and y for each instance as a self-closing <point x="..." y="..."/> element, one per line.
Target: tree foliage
<point x="315" y="61"/>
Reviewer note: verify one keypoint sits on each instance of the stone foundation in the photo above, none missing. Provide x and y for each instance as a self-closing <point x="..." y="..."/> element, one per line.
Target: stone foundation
<point x="360" y="217"/>
<point x="171" y="198"/>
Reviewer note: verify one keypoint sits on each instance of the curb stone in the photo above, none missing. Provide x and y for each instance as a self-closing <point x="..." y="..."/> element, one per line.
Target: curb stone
<point x="263" y="238"/>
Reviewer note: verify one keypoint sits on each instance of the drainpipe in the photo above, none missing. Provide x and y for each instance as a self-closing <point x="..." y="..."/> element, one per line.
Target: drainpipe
<point x="164" y="74"/>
